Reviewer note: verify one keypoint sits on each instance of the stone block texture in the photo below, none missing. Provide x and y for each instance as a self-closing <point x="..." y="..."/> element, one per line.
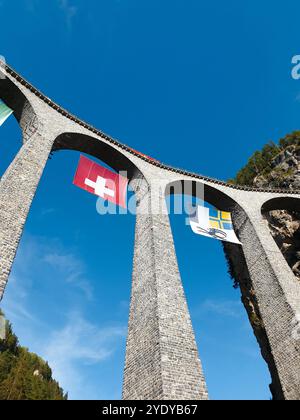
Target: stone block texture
<point x="276" y="292"/>
<point x="17" y="189"/>
<point x="162" y="359"/>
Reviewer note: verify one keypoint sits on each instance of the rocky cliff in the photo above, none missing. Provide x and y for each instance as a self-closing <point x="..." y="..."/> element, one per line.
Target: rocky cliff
<point x="274" y="166"/>
<point x="285" y="226"/>
<point x="279" y="166"/>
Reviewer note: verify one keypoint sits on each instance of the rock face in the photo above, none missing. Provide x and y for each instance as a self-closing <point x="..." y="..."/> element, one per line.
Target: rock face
<point x="285" y="170"/>
<point x="275" y="166"/>
<point x="285" y="226"/>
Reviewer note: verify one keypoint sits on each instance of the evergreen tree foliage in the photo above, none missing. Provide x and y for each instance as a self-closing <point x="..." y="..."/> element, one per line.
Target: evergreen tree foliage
<point x="24" y="375"/>
<point x="260" y="162"/>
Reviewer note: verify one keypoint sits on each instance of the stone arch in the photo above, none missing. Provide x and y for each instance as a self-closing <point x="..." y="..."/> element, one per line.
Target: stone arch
<point x="281" y="203"/>
<point x="23" y="109"/>
<point x="99" y="149"/>
<point x="238" y="269"/>
<point x="212" y="195"/>
<point x="283" y="217"/>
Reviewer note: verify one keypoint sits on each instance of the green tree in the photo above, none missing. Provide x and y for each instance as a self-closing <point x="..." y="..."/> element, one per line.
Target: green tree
<point x="260" y="163"/>
<point x="24" y="375"/>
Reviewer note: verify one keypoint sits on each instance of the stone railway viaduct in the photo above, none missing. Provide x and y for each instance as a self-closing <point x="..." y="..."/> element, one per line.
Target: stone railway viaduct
<point x="162" y="359"/>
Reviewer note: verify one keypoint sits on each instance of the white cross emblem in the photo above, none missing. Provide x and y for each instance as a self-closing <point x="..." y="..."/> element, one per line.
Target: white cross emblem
<point x="100" y="187"/>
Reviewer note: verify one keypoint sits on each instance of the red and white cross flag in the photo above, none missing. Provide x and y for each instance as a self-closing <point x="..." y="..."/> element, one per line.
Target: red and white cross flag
<point x="101" y="181"/>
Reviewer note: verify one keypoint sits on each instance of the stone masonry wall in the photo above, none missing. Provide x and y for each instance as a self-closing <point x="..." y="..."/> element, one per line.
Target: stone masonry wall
<point x="162" y="359"/>
<point x="271" y="299"/>
<point x="17" y="189"/>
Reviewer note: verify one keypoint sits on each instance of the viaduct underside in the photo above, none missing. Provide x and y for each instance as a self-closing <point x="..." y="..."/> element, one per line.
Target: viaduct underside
<point x="162" y="360"/>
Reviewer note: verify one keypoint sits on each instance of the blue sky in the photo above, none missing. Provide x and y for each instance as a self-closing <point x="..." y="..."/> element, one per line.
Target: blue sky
<point x="198" y="85"/>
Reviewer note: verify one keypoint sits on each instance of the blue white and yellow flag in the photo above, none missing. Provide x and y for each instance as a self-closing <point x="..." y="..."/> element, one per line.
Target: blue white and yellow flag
<point x="5" y="112"/>
<point x="214" y="224"/>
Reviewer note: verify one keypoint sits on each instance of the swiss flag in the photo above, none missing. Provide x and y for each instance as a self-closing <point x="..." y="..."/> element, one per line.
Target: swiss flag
<point x="101" y="181"/>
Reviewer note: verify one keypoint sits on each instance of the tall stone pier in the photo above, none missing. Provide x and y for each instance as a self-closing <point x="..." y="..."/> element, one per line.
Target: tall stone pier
<point x="162" y="359"/>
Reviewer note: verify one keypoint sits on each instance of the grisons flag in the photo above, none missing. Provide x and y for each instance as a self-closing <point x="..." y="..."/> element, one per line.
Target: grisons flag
<point x="100" y="181"/>
<point x="5" y="112"/>
<point x="213" y="223"/>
